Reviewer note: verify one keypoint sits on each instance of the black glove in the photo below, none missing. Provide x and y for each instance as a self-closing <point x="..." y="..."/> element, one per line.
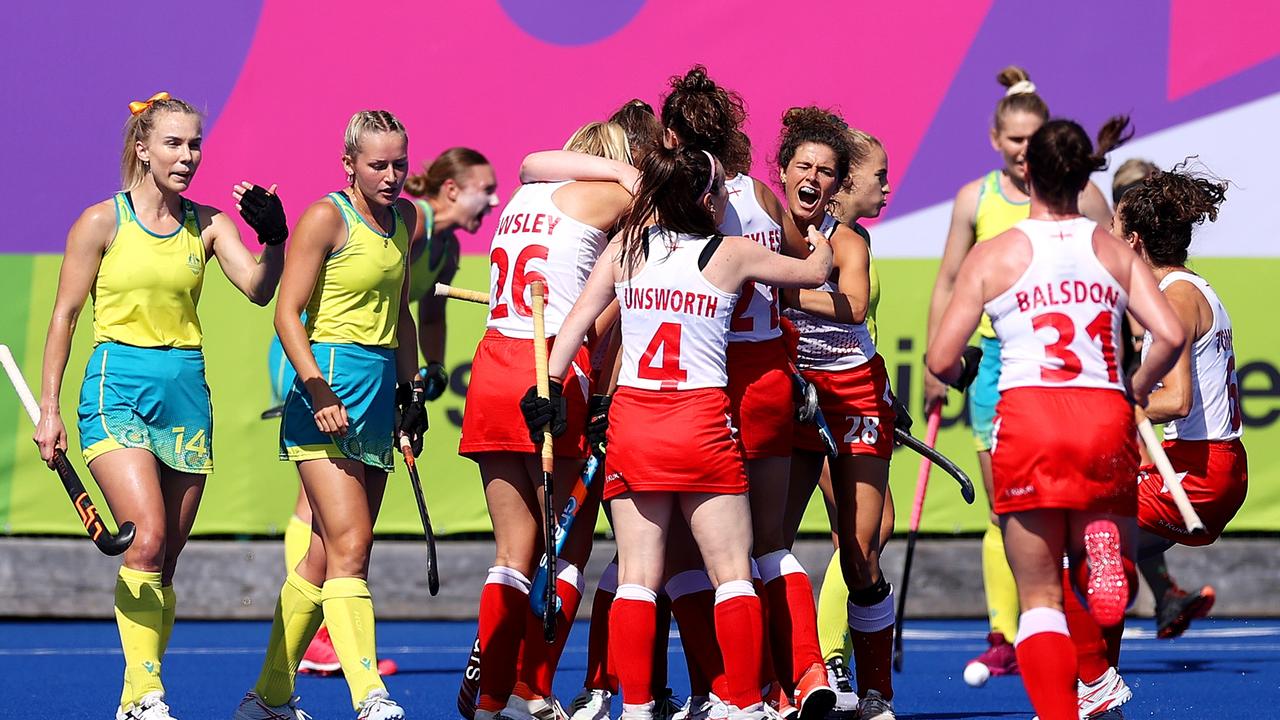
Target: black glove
<point x="436" y="378"/>
<point x="411" y="412"/>
<point x="598" y="419"/>
<point x="969" y="361"/>
<point x="901" y="418"/>
<point x="539" y="412"/>
<point x="265" y="214"/>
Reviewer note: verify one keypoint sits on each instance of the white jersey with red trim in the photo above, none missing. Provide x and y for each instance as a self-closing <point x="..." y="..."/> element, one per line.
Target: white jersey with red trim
<point x="535" y="240"/>
<point x="755" y="317"/>
<point x="1215" y="395"/>
<point x="675" y="323"/>
<point x="1059" y="322"/>
<point x="825" y="344"/>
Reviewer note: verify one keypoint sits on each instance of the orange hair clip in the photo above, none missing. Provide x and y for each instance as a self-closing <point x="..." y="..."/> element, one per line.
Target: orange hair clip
<point x="137" y="107"/>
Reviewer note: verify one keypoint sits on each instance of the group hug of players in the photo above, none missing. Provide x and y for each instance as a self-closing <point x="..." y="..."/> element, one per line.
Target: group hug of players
<point x="692" y="318"/>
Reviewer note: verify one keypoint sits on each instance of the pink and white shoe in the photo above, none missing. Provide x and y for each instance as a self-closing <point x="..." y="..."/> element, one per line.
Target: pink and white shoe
<point x="1108" y="590"/>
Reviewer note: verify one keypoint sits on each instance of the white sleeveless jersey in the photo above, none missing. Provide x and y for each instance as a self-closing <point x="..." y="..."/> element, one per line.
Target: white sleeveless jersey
<point x="1059" y="323"/>
<point x="826" y="344"/>
<point x="675" y="323"/>
<point x="755" y="317"/>
<point x="1215" y="395"/>
<point x="534" y="240"/>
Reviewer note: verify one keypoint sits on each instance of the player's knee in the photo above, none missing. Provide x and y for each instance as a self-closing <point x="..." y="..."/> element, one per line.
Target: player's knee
<point x="148" y="549"/>
<point x="349" y="549"/>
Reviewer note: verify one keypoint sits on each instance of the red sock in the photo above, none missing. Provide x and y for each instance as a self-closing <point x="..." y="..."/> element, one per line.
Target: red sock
<point x="740" y="630"/>
<point x="1047" y="661"/>
<point x="661" y="642"/>
<point x="1086" y="634"/>
<point x="631" y="627"/>
<point x="693" y="602"/>
<point x="599" y="676"/>
<point x="871" y="634"/>
<point x="793" y="618"/>
<point x="538" y="658"/>
<point x="504" y="606"/>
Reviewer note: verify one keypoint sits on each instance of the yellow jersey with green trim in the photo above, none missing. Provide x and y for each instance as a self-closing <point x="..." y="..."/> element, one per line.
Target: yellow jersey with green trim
<point x="873" y="296"/>
<point x="148" y="285"/>
<point x="357" y="294"/>
<point x="423" y="272"/>
<point x="995" y="214"/>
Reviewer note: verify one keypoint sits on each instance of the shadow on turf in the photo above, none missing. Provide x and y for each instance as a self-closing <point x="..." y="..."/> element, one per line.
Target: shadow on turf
<point x="960" y="715"/>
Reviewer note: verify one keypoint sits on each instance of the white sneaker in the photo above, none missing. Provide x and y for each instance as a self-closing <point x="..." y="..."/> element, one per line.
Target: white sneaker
<point x="846" y="696"/>
<point x="253" y="707"/>
<point x="696" y="707"/>
<point x="150" y="707"/>
<point x="875" y="707"/>
<point x="379" y="706"/>
<point x="538" y="709"/>
<point x="754" y="712"/>
<point x="717" y="708"/>
<point x="1106" y="693"/>
<point x="641" y="711"/>
<point x="591" y="705"/>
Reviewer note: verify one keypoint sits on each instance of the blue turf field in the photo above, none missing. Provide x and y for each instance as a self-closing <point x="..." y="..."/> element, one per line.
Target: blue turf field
<point x="1221" y="668"/>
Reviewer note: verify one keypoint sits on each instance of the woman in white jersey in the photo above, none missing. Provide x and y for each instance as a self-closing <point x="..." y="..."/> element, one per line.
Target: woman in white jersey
<point x="551" y="232"/>
<point x="836" y="354"/>
<point x="672" y="446"/>
<point x="1056" y="287"/>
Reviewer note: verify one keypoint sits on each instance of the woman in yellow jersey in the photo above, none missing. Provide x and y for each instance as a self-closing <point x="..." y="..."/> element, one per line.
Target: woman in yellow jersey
<point x="983" y="209"/>
<point x="346" y="269"/>
<point x="863" y="196"/>
<point x="145" y="418"/>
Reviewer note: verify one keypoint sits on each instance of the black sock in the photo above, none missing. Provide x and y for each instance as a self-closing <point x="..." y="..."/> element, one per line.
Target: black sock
<point x="1156" y="573"/>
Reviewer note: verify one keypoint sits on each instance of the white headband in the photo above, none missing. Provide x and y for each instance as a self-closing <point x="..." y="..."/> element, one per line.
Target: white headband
<point x="711" y="174"/>
<point x="1022" y="87"/>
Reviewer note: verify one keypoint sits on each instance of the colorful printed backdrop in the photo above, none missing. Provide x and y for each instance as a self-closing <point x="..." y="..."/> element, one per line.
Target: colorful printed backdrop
<point x="278" y="79"/>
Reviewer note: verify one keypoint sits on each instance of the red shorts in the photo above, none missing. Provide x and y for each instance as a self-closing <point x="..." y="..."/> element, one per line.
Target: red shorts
<point x="1064" y="448"/>
<point x="857" y="406"/>
<point x="672" y="441"/>
<point x="501" y="372"/>
<point x="1215" y="475"/>
<point x="760" y="397"/>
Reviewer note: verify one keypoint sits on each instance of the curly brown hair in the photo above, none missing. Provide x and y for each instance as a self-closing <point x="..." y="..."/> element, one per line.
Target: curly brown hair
<point x="816" y="125"/>
<point x="1164" y="209"/>
<point x="708" y="117"/>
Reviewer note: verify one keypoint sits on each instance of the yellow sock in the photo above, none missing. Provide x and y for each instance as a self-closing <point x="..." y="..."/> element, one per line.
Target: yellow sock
<point x="170" y="607"/>
<point x="296" y="620"/>
<point x="997" y="580"/>
<point x="297" y="538"/>
<point x="833" y="612"/>
<point x="348" y="611"/>
<point x="139" y="617"/>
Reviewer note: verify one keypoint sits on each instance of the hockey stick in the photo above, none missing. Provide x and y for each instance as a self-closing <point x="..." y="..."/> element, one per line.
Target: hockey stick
<point x="93" y="524"/>
<point x="1190" y="518"/>
<point x="538" y="594"/>
<point x="810" y="398"/>
<point x="548" y="463"/>
<point x="450" y="291"/>
<point x="922" y="484"/>
<point x="433" y="571"/>
<point x="926" y="450"/>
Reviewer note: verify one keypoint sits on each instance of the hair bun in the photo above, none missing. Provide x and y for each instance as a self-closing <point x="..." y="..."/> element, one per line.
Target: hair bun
<point x="1022" y="87"/>
<point x="1012" y="75"/>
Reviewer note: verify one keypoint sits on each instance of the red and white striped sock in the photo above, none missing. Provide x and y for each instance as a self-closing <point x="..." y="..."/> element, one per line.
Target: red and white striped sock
<point x="693" y="602"/>
<point x="740" y="630"/>
<point x="504" y="606"/>
<point x="599" y="675"/>
<point x="1047" y="661"/>
<point x="871" y="634"/>
<point x="793" y="617"/>
<point x="631" y="632"/>
<point x="538" y="658"/>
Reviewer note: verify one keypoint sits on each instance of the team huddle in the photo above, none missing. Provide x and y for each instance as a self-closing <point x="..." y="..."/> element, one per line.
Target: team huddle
<point x="711" y="361"/>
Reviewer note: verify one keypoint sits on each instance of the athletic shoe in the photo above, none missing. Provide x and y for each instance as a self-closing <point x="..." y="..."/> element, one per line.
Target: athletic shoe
<point x="150" y="707"/>
<point x="666" y="705"/>
<point x="1177" y="609"/>
<point x="643" y="711"/>
<point x="377" y="705"/>
<point x="719" y="709"/>
<point x="253" y="707"/>
<point x="999" y="657"/>
<point x="777" y="704"/>
<point x="840" y="680"/>
<point x="875" y="707"/>
<point x="591" y="704"/>
<point x="696" y="707"/>
<point x="1106" y="693"/>
<point x="320" y="657"/>
<point x="1108" y="590"/>
<point x="536" y="709"/>
<point x="754" y="712"/>
<point x="814" y="696"/>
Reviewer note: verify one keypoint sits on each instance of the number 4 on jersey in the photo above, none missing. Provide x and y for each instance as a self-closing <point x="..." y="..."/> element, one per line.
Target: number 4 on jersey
<point x="668" y="372"/>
